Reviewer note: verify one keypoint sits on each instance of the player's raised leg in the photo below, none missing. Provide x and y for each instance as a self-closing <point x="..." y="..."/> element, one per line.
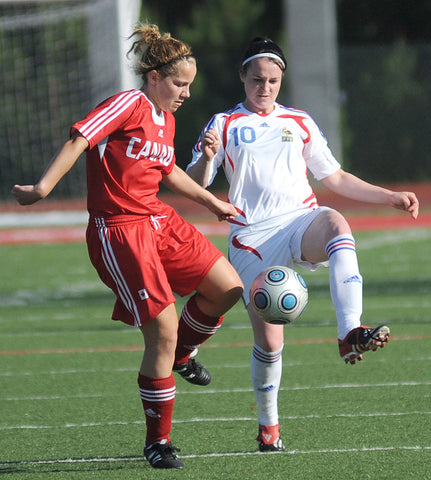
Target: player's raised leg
<point x="329" y="237"/>
<point x="202" y="316"/>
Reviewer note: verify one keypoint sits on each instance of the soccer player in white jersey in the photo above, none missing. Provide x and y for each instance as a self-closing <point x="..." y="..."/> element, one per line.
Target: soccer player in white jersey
<point x="141" y="248"/>
<point x="266" y="151"/>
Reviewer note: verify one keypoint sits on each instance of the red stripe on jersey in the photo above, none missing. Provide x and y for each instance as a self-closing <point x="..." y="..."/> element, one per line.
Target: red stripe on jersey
<point x="311" y="197"/>
<point x="240" y="211"/>
<point x="236" y="222"/>
<point x="229" y="119"/>
<point x="311" y="201"/>
<point x="300" y="121"/>
<point x="237" y="244"/>
<point x="230" y="161"/>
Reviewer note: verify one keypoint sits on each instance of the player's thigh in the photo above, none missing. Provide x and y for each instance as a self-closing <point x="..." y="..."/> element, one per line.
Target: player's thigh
<point x="187" y="255"/>
<point x="327" y="225"/>
<point x="127" y="262"/>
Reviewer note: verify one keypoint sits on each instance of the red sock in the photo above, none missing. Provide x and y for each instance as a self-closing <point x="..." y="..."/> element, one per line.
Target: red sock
<point x="158" y="398"/>
<point x="194" y="328"/>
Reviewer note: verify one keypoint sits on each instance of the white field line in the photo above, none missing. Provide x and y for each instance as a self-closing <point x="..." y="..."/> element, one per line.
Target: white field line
<point x="40" y="295"/>
<point x="413" y="448"/>
<point x="43" y="219"/>
<point x="71" y="371"/>
<point x="392" y="237"/>
<point x="79" y="371"/>
<point x="215" y="420"/>
<point x="134" y="348"/>
<point x="245" y="326"/>
<point x="424" y="303"/>
<point x="228" y="390"/>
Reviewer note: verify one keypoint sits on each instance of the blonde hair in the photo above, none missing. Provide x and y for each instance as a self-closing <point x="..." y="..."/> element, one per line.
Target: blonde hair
<point x="158" y="51"/>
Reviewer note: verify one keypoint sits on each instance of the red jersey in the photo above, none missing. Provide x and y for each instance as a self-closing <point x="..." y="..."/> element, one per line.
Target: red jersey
<point x="131" y="148"/>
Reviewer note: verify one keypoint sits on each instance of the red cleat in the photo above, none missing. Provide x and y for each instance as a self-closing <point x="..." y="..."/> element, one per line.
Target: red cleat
<point x="362" y="339"/>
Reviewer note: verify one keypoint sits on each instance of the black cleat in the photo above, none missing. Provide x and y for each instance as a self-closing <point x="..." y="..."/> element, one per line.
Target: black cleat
<point x="162" y="455"/>
<point x="193" y="372"/>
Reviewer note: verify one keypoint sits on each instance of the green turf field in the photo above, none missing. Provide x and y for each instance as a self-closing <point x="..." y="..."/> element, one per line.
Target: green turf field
<point x="70" y="407"/>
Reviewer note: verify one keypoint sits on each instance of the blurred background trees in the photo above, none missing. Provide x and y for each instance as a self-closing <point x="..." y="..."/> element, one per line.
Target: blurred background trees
<point x="47" y="78"/>
<point x="384" y="51"/>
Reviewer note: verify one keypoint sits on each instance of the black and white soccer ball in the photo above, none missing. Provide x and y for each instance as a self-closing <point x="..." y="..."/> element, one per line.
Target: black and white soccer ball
<point x="279" y="295"/>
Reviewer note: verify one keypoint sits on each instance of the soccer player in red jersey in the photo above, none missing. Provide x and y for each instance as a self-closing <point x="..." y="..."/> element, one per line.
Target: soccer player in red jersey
<point x="141" y="248"/>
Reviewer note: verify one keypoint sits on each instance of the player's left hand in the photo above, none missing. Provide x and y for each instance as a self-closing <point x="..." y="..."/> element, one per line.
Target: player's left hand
<point x="406" y="201"/>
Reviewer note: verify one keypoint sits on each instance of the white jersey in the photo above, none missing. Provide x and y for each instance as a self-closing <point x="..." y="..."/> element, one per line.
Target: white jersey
<point x="266" y="159"/>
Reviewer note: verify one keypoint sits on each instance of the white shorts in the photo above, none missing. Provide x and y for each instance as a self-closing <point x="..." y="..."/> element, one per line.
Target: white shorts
<point x="276" y="242"/>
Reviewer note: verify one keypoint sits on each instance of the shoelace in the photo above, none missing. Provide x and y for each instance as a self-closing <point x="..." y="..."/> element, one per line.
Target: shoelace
<point x="170" y="449"/>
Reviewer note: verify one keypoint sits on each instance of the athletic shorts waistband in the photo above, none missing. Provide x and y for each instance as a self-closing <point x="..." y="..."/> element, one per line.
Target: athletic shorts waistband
<point x="117" y="220"/>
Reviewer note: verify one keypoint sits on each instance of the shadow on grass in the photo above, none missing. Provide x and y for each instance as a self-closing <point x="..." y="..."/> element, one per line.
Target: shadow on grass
<point x="72" y="465"/>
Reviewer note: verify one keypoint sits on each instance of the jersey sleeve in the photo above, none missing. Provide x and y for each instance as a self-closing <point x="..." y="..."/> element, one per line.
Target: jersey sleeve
<point x="107" y="117"/>
<point x="217" y="122"/>
<point x="317" y="154"/>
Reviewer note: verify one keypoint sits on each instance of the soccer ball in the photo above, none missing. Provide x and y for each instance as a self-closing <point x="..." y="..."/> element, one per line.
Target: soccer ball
<point x="279" y="295"/>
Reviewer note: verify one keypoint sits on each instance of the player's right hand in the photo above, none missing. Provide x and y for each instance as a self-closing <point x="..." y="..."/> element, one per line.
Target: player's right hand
<point x="224" y="210"/>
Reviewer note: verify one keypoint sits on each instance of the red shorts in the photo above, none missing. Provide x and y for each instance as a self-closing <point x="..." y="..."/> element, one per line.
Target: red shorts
<point x="145" y="259"/>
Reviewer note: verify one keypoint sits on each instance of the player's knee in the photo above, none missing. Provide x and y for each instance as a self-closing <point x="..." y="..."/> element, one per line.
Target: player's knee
<point x="337" y="224"/>
<point x="234" y="294"/>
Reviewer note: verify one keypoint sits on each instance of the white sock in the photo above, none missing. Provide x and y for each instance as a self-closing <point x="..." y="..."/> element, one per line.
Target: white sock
<point x="345" y="283"/>
<point x="266" y="370"/>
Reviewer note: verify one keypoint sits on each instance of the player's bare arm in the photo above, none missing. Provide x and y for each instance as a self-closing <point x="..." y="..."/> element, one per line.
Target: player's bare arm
<point x="180" y="182"/>
<point x="350" y="186"/>
<point x="210" y="145"/>
<point x="59" y="166"/>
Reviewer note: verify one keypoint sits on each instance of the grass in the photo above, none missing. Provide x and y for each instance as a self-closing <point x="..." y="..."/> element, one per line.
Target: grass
<point x="69" y="401"/>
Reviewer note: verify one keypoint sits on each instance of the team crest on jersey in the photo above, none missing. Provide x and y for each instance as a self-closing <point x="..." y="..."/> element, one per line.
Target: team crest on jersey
<point x="287" y="135"/>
